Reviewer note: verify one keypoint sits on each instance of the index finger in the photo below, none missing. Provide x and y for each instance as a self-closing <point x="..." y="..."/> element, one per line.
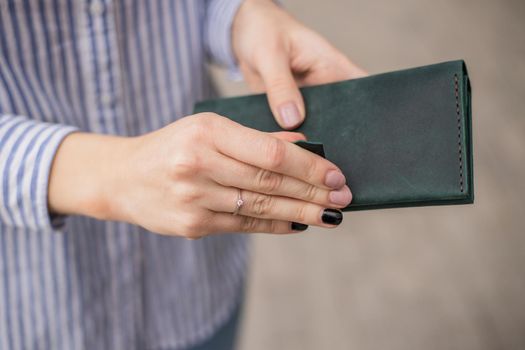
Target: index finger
<point x="269" y="152"/>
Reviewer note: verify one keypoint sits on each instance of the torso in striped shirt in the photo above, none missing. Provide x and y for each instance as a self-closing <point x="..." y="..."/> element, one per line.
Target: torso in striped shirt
<point x="122" y="67"/>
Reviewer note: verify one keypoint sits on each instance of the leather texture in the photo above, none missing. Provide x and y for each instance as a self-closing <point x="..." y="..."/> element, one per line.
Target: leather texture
<point x="401" y="138"/>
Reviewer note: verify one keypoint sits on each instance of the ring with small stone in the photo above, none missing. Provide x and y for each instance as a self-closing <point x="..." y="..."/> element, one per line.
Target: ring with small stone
<point x="239" y="203"/>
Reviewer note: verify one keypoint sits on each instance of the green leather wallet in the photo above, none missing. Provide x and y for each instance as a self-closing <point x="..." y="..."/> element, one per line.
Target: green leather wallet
<point x="401" y="138"/>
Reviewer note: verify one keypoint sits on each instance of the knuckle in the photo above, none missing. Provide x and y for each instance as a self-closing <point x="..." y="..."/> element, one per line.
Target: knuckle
<point x="209" y="120"/>
<point x="192" y="227"/>
<point x="267" y="181"/>
<point x="275" y="153"/>
<point x="187" y="194"/>
<point x="311" y="168"/>
<point x="197" y="127"/>
<point x="310" y="193"/>
<point x="249" y="224"/>
<point x="280" y="84"/>
<point x="185" y="165"/>
<point x="301" y="213"/>
<point x="262" y="204"/>
<point x="273" y="226"/>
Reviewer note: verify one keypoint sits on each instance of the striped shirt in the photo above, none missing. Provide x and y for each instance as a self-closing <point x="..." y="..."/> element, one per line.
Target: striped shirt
<point x="123" y="67"/>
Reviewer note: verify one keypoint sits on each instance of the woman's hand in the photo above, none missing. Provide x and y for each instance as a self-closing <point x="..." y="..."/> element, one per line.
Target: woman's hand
<point x="184" y="179"/>
<point x="276" y="53"/>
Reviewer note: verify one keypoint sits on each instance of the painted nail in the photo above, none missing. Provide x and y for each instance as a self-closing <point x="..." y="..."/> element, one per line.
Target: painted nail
<point x="334" y="179"/>
<point x="341" y="197"/>
<point x="290" y="115"/>
<point x="296" y="226"/>
<point x="332" y="216"/>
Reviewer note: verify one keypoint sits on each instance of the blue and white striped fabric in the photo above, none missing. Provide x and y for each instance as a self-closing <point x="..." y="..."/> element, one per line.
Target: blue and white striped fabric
<point x="122" y="67"/>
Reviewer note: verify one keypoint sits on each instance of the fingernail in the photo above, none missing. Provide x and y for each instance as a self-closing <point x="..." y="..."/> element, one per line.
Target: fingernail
<point x="290" y="115"/>
<point x="296" y="226"/>
<point x="335" y="179"/>
<point x="332" y="216"/>
<point x="341" y="197"/>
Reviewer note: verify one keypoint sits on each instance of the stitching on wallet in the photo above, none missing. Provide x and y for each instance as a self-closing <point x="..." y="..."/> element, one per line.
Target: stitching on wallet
<point x="458" y="112"/>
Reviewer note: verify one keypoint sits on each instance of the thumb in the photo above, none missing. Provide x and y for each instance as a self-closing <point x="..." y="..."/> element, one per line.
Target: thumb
<point x="284" y="96"/>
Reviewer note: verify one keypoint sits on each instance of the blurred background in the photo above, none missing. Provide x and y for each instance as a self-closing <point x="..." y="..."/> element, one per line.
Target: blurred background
<point x="421" y="278"/>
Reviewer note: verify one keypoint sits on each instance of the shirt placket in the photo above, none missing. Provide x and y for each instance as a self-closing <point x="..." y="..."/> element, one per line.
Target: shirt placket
<point x="104" y="95"/>
<point x="104" y="68"/>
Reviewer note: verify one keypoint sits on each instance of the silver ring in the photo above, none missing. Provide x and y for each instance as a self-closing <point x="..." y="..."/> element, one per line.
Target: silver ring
<point x="239" y="203"/>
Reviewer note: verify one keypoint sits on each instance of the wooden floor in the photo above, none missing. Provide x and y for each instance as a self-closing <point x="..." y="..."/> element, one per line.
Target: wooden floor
<point x="425" y="278"/>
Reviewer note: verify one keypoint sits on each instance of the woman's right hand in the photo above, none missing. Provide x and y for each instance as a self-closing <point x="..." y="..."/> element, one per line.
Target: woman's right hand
<point x="183" y="180"/>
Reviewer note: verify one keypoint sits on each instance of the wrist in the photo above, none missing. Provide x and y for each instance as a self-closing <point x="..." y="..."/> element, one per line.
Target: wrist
<point x="87" y="176"/>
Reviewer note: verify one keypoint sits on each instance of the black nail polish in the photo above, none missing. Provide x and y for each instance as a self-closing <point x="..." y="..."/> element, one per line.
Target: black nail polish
<point x="298" y="226"/>
<point x="332" y="216"/>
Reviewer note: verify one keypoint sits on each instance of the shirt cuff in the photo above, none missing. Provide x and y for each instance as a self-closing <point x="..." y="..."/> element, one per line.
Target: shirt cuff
<point x="28" y="148"/>
<point x="218" y="32"/>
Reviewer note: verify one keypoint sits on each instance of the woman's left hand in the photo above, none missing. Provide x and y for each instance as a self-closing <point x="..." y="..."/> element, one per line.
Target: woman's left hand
<point x="277" y="54"/>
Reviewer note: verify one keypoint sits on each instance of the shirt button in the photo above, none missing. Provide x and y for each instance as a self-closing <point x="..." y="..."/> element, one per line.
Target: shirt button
<point x="97" y="8"/>
<point x="106" y="99"/>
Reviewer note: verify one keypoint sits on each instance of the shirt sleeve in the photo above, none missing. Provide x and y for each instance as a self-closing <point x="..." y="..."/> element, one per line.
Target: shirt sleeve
<point x="219" y="15"/>
<point x="27" y="150"/>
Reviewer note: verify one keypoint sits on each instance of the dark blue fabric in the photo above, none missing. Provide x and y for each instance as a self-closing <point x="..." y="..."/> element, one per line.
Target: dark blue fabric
<point x="225" y="337"/>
